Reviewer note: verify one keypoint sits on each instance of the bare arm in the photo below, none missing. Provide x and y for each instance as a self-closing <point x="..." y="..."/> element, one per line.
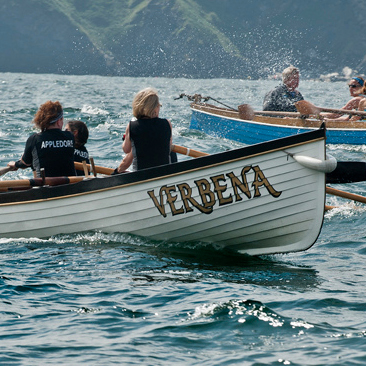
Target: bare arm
<point x="171" y="135"/>
<point x="125" y="163"/>
<point x="126" y="146"/>
<point x="352" y="104"/>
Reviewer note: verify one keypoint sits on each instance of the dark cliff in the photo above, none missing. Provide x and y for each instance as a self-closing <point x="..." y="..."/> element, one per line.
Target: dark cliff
<point x="182" y="38"/>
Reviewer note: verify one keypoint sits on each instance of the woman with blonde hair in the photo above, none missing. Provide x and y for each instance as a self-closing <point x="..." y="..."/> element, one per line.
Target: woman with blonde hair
<point x="51" y="149"/>
<point x="148" y="137"/>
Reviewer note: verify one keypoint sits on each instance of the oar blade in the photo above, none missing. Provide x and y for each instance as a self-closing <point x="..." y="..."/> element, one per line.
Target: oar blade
<point x="306" y="108"/>
<point x="246" y="112"/>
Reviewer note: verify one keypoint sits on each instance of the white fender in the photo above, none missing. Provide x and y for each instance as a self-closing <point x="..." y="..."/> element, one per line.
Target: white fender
<point x="325" y="166"/>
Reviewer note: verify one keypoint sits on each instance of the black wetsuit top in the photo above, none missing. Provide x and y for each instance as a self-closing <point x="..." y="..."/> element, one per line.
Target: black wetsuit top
<point x="52" y="150"/>
<point x="281" y="99"/>
<point x="150" y="140"/>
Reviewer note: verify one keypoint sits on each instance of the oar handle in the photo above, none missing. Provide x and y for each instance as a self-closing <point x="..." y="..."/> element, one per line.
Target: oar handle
<point x="189" y="152"/>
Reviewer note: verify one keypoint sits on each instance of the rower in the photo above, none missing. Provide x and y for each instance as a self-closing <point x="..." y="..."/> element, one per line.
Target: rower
<point x="51" y="149"/>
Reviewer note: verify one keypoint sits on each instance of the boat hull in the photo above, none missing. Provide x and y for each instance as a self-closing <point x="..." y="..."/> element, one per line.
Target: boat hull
<point x="224" y="123"/>
<point x="255" y="200"/>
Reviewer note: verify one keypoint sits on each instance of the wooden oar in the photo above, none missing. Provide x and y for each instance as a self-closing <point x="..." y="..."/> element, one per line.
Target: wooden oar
<point x="246" y="112"/>
<point x="343" y="194"/>
<point x="305" y="107"/>
<point x="347" y="172"/>
<point x="4" y="170"/>
<point x="327" y="207"/>
<point x="189" y="152"/>
<point x="98" y="169"/>
<point x="37" y="182"/>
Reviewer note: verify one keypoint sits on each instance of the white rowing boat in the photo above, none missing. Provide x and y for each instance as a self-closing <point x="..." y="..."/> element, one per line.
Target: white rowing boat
<point x="260" y="199"/>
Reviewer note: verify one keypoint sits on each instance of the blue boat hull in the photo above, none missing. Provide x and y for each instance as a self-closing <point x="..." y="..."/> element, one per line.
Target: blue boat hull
<point x="252" y="132"/>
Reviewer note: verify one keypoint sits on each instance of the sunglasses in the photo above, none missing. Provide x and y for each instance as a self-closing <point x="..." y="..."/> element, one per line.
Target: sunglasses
<point x="353" y="86"/>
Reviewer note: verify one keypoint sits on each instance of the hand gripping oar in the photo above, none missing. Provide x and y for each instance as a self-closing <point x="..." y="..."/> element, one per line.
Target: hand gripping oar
<point x="305" y="107"/>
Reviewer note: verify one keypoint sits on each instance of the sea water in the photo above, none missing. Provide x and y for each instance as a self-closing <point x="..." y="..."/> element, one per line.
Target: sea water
<point x="116" y="299"/>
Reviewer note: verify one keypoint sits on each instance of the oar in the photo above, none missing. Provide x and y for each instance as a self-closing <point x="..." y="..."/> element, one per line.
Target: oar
<point x="343" y="194"/>
<point x="246" y="112"/>
<point x="4" y="170"/>
<point x="37" y="182"/>
<point x="327" y="207"/>
<point x="347" y="172"/>
<point x="189" y="152"/>
<point x="98" y="169"/>
<point x="305" y="107"/>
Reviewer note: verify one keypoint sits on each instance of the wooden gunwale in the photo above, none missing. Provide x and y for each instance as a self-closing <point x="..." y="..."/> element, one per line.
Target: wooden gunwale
<point x="155" y="178"/>
<point x="294" y="121"/>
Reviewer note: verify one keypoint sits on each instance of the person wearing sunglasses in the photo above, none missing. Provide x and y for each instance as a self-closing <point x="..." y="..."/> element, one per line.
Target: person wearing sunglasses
<point x="358" y="93"/>
<point x="362" y="103"/>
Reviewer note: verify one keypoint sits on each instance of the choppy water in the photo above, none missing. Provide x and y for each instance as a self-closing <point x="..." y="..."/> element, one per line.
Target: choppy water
<point x="97" y="299"/>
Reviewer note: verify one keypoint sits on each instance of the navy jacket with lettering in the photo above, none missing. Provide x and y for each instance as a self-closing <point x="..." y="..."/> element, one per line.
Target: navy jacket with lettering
<point x="52" y="150"/>
<point x="81" y="154"/>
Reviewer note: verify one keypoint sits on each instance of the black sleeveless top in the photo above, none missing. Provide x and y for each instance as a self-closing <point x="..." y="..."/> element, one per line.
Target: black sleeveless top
<point x="52" y="150"/>
<point x="150" y="140"/>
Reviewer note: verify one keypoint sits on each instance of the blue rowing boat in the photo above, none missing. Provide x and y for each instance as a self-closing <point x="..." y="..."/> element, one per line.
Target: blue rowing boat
<point x="265" y="126"/>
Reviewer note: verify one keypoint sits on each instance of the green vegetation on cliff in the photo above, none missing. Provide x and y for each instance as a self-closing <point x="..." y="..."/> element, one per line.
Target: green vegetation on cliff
<point x="181" y="38"/>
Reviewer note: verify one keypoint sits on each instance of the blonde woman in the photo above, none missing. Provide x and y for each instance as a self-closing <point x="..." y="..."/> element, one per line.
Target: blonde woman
<point x="148" y="137"/>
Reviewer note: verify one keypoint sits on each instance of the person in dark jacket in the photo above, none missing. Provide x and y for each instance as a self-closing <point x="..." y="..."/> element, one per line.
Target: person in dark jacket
<point x="51" y="149"/>
<point x="81" y="135"/>
<point x="284" y="96"/>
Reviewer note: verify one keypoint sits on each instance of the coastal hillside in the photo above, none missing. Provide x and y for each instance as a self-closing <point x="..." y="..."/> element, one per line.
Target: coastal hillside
<point x="183" y="38"/>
